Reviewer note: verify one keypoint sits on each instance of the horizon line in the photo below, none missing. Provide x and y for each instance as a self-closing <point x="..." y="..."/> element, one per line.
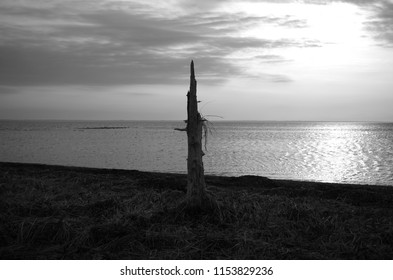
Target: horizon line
<point x="179" y="120"/>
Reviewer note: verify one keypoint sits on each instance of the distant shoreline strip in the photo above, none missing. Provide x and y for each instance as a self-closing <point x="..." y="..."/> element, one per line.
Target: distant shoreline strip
<point x="103" y="127"/>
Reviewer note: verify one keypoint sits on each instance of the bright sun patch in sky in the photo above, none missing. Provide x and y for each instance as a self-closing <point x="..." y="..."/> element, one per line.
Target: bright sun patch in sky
<point x="336" y="22"/>
<point x="324" y="35"/>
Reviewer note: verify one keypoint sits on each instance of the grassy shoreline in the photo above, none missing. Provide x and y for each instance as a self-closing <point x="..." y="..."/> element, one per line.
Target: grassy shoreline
<point x="57" y="212"/>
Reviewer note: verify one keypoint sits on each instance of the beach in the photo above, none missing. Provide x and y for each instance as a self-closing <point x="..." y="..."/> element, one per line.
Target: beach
<point x="59" y="212"/>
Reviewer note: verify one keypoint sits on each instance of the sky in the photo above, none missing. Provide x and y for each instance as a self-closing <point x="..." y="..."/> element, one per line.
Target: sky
<point x="318" y="60"/>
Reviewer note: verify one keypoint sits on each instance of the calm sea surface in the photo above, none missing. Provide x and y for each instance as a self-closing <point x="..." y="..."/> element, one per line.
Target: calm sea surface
<point x="314" y="151"/>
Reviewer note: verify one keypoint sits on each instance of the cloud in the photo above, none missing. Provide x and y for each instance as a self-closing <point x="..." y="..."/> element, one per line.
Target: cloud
<point x="272" y="78"/>
<point x="8" y="90"/>
<point x="281" y="79"/>
<point x="271" y="58"/>
<point x="381" y="23"/>
<point x="119" y="43"/>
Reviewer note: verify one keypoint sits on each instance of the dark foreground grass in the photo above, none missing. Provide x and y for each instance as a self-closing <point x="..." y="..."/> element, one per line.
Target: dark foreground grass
<point x="52" y="212"/>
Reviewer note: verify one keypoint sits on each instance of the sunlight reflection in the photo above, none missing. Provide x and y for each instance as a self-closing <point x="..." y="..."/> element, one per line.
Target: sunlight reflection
<point x="339" y="153"/>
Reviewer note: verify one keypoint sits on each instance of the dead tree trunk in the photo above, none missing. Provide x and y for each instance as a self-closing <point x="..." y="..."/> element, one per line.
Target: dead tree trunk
<point x="196" y="187"/>
<point x="197" y="197"/>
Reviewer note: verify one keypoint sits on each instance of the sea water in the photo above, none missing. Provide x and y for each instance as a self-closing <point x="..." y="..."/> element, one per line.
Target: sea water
<point x="347" y="152"/>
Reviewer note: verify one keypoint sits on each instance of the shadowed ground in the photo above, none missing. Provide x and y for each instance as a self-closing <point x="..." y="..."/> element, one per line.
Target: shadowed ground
<point x="55" y="212"/>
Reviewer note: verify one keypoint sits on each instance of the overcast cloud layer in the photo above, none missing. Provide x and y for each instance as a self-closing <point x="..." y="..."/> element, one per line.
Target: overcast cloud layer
<point x="104" y="43"/>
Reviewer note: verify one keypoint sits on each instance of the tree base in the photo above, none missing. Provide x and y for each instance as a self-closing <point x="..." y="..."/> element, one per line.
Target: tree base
<point x="196" y="207"/>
